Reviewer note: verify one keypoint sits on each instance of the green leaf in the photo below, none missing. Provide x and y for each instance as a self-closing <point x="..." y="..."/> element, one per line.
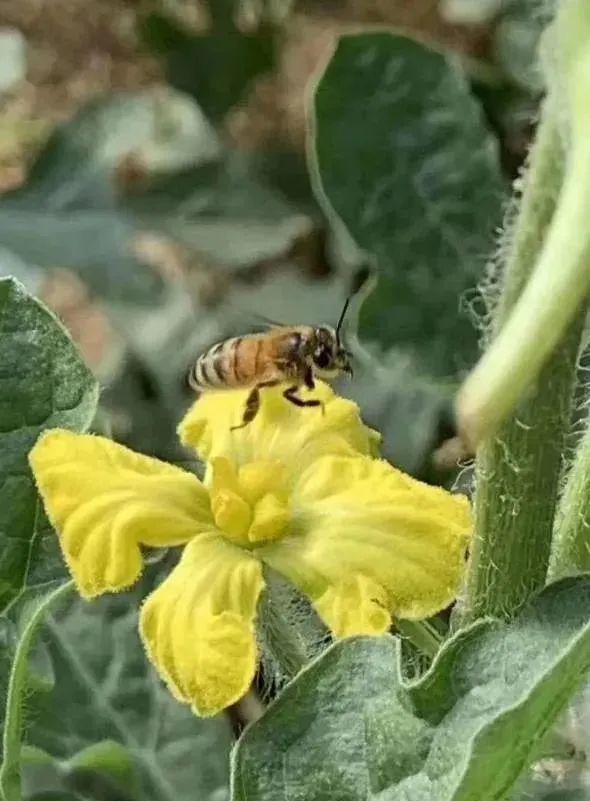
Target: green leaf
<point x="104" y="767"/>
<point x="107" y="757"/>
<point x="43" y="384"/>
<point x="225" y="211"/>
<point x="348" y="727"/>
<point x="401" y="154"/>
<point x="32" y="613"/>
<point x="106" y="690"/>
<point x="407" y="408"/>
<point x="217" y="66"/>
<point x="75" y="211"/>
<point x="103" y="770"/>
<point x="70" y="214"/>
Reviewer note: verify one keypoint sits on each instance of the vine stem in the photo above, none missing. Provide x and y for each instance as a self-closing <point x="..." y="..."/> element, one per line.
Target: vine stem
<point x="570" y="553"/>
<point x="422" y="635"/>
<point x="554" y="291"/>
<point x="10" y="782"/>
<point x="548" y="304"/>
<point x="290" y="632"/>
<point x="518" y="468"/>
<point x="571" y="545"/>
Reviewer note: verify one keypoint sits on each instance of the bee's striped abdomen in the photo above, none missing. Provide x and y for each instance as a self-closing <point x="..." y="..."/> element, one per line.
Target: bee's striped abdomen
<point x="220" y="367"/>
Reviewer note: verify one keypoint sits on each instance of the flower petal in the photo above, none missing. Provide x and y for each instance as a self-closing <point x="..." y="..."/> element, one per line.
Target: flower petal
<point x="366" y="537"/>
<point x="280" y="431"/>
<point x="105" y="501"/>
<point x="356" y="605"/>
<point x="198" y="626"/>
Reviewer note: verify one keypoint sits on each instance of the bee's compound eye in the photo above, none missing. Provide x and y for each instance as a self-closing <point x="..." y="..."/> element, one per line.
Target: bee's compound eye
<point x="322" y="357"/>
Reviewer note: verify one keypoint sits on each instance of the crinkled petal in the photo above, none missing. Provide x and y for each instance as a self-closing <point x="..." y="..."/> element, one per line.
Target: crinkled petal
<point x="104" y="501"/>
<point x="355" y="605"/>
<point x="198" y="626"/>
<point x="366" y="537"/>
<point x="280" y="431"/>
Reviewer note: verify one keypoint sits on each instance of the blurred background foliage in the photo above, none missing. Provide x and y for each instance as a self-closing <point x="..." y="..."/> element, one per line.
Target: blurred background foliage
<point x="162" y="187"/>
<point x="171" y="171"/>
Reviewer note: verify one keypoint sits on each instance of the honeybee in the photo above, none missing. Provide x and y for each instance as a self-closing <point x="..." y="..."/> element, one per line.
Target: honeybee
<point x="296" y="354"/>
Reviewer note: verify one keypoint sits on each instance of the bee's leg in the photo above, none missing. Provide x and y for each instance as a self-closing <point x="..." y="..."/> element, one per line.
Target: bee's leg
<point x="310" y="384"/>
<point x="290" y="395"/>
<point x="250" y="410"/>
<point x="253" y="404"/>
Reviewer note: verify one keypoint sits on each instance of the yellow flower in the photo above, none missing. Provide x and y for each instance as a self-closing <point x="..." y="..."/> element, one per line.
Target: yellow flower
<point x="280" y="432"/>
<point x="297" y="490"/>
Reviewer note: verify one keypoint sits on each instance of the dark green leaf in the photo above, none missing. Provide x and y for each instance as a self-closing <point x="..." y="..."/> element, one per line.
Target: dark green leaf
<point x="348" y="728"/>
<point x="402" y="156"/>
<point x="215" y="67"/>
<point x="106" y="691"/>
<point x="43" y="384"/>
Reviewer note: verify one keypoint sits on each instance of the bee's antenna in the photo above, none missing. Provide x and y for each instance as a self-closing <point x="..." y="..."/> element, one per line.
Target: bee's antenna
<point x="358" y="280"/>
<point x="342" y="316"/>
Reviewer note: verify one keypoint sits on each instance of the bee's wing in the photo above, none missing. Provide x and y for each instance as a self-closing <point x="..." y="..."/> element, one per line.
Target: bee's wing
<point x="254" y="323"/>
<point x="266" y="322"/>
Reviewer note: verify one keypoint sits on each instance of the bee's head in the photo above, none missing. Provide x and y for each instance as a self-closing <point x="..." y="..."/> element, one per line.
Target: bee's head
<point x="329" y="357"/>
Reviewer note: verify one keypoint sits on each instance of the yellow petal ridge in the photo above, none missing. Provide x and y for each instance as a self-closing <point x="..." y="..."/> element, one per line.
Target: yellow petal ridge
<point x="105" y="501"/>
<point x="364" y="531"/>
<point x="355" y="605"/>
<point x="198" y="626"/>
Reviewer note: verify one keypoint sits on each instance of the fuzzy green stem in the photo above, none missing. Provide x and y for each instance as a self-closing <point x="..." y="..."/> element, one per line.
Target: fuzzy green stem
<point x="289" y="630"/>
<point x="570" y="552"/>
<point x="421" y="634"/>
<point x="544" y="310"/>
<point x="10" y="779"/>
<point x="559" y="284"/>
<point x="518" y="469"/>
<point x="571" y="543"/>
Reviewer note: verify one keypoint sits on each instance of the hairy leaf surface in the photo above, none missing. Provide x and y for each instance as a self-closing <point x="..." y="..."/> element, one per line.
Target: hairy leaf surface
<point x="465" y="731"/>
<point x="43" y="384"/>
<point x="106" y="691"/>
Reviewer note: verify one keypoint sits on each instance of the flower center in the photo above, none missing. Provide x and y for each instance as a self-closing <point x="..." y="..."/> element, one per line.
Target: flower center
<point x="250" y="505"/>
